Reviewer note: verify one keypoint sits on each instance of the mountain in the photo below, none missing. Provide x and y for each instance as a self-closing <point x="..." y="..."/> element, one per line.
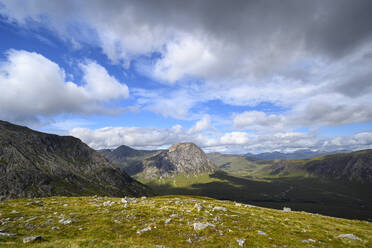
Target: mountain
<point x="182" y="158"/>
<point x="299" y="154"/>
<point x="34" y="164"/>
<point x="354" y="166"/>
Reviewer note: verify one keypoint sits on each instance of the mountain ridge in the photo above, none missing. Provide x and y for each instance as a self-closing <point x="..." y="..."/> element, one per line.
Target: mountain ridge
<point x="36" y="164"/>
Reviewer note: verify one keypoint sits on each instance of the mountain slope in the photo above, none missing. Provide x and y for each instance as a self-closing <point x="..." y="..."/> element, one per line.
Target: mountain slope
<point x="299" y="154"/>
<point x="39" y="164"/>
<point x="182" y="158"/>
<point x="172" y="221"/>
<point x="354" y="166"/>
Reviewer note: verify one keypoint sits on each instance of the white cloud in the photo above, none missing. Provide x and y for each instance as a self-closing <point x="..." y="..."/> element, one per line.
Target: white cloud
<point x="33" y="86"/>
<point x="234" y="138"/>
<point x="235" y="142"/>
<point x="201" y="125"/>
<point x="257" y="120"/>
<point x="100" y="84"/>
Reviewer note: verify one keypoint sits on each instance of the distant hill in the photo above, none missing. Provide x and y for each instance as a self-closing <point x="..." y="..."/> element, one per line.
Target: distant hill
<point x="299" y="154"/>
<point x="354" y="166"/>
<point x="35" y="164"/>
<point x="182" y="158"/>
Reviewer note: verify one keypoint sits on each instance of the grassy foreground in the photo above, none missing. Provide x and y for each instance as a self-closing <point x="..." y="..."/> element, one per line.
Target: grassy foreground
<point x="170" y="221"/>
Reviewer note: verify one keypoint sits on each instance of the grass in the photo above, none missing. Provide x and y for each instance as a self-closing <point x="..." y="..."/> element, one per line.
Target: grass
<point x="95" y="225"/>
<point x="329" y="197"/>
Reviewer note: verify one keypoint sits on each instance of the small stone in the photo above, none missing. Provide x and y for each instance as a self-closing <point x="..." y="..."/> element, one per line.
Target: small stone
<point x="32" y="239"/>
<point x="189" y="241"/>
<point x="200" y="226"/>
<point x="65" y="205"/>
<point x="54" y="228"/>
<point x="285" y="209"/>
<point x="65" y="221"/>
<point x="167" y="221"/>
<point x="349" y="236"/>
<point x="15" y="212"/>
<point x="198" y="206"/>
<point x="219" y="209"/>
<point x="261" y="232"/>
<point x="33" y="203"/>
<point x="144" y="230"/>
<point x="7" y="234"/>
<point x="240" y="242"/>
<point x="108" y="203"/>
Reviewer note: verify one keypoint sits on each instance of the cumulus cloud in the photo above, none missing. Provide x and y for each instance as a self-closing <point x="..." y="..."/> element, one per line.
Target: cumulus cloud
<point x="201" y="125"/>
<point x="257" y="120"/>
<point x="33" y="86"/>
<point x="236" y="142"/>
<point x="291" y="54"/>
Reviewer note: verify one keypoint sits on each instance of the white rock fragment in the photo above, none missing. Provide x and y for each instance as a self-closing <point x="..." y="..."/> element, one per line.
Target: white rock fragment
<point x="240" y="242"/>
<point x="308" y="241"/>
<point x="285" y="209"/>
<point x="65" y="221"/>
<point x="200" y="226"/>
<point x="198" y="207"/>
<point x="219" y="209"/>
<point x="167" y="221"/>
<point x="261" y="232"/>
<point x="15" y="212"/>
<point x="144" y="230"/>
<point x="32" y="239"/>
<point x="108" y="203"/>
<point x="7" y="234"/>
<point x="349" y="236"/>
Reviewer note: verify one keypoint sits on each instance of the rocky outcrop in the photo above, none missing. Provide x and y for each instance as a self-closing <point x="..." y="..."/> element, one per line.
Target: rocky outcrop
<point x="182" y="158"/>
<point x="35" y="164"/>
<point x="355" y="166"/>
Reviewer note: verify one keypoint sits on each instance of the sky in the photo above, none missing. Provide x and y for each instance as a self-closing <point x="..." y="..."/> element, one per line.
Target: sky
<point x="231" y="76"/>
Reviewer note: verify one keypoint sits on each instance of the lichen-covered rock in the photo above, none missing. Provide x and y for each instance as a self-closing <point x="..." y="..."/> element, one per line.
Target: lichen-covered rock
<point x="32" y="239"/>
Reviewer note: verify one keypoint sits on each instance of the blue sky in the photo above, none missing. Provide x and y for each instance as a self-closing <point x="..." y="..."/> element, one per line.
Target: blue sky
<point x="131" y="73"/>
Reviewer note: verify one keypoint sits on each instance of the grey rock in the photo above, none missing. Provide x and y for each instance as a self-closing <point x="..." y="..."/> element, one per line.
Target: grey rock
<point x="285" y="209"/>
<point x="200" y="226"/>
<point x="65" y="221"/>
<point x="32" y="239"/>
<point x="219" y="209"/>
<point x="144" y="230"/>
<point x="240" y="242"/>
<point x="349" y="236"/>
<point x="8" y="234"/>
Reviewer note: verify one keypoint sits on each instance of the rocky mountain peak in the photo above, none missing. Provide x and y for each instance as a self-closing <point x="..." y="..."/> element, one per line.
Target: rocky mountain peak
<point x="189" y="158"/>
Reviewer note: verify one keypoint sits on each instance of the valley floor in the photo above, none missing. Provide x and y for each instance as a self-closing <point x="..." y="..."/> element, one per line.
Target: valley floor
<point x="170" y="221"/>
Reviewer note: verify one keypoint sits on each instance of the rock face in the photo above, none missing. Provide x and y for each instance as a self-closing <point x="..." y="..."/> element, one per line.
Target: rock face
<point x="182" y="158"/>
<point x="35" y="164"/>
<point x="355" y="166"/>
